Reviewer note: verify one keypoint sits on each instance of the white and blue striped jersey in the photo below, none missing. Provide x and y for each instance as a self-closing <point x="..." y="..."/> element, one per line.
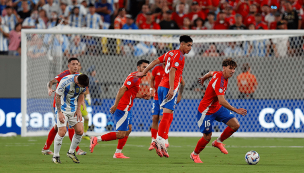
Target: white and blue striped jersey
<point x="94" y="21"/>
<point x="3" y="39"/>
<point x="75" y="21"/>
<point x="51" y="24"/>
<point x="77" y="49"/>
<point x="10" y="21"/>
<point x="31" y="22"/>
<point x="69" y="8"/>
<point x="69" y="93"/>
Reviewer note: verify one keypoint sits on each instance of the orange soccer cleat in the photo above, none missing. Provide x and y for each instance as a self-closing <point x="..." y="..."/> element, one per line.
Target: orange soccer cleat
<point x="151" y="147"/>
<point x="93" y="143"/>
<point x="120" y="156"/>
<point x="195" y="158"/>
<point x="220" y="146"/>
<point x="157" y="148"/>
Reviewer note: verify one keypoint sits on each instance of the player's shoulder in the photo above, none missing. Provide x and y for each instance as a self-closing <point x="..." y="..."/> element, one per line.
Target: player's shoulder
<point x="217" y="75"/>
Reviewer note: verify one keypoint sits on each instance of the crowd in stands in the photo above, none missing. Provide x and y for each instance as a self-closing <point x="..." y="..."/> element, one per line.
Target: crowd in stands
<point x="146" y="14"/>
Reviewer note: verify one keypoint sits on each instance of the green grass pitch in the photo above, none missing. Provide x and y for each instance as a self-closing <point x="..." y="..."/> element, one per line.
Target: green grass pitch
<point x="278" y="155"/>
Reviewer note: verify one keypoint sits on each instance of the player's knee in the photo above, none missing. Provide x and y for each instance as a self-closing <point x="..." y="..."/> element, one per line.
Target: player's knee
<point x="236" y="126"/>
<point x="155" y="119"/>
<point x="62" y="132"/>
<point x="207" y="137"/>
<point x="121" y="134"/>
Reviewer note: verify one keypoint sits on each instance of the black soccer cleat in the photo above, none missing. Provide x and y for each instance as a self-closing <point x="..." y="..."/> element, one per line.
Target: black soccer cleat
<point x="56" y="160"/>
<point x="73" y="157"/>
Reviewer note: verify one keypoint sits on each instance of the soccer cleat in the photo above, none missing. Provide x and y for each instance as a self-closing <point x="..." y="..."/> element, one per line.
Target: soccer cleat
<point x="81" y="152"/>
<point x="73" y="157"/>
<point x="86" y="137"/>
<point x="46" y="152"/>
<point x="151" y="147"/>
<point x="220" y="146"/>
<point x="56" y="160"/>
<point x="167" y="145"/>
<point x="120" y="156"/>
<point x="93" y="143"/>
<point x="157" y="148"/>
<point x="195" y="158"/>
<point x="165" y="152"/>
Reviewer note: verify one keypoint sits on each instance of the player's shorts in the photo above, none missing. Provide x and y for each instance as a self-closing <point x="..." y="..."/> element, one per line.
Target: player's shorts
<point x="123" y="119"/>
<point x="84" y="112"/>
<point x="163" y="101"/>
<point x="68" y="118"/>
<point x="156" y="108"/>
<point x="205" y="121"/>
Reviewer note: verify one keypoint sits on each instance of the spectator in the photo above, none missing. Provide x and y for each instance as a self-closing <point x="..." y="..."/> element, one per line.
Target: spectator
<point x="281" y="45"/>
<point x="158" y="15"/>
<point x="128" y="44"/>
<point x="120" y="20"/>
<point x="257" y="48"/>
<point x="251" y="26"/>
<point x="76" y="48"/>
<point x="61" y="11"/>
<point x="141" y="17"/>
<point x="162" y="48"/>
<point x="144" y="49"/>
<point x="179" y="15"/>
<point x="50" y="7"/>
<point x="274" y="3"/>
<point x="246" y="82"/>
<point x="242" y="8"/>
<point x="4" y="34"/>
<point x="292" y="17"/>
<point x="186" y="6"/>
<point x="15" y="38"/>
<point x="37" y="50"/>
<point x="104" y="9"/>
<point x="76" y="19"/>
<point x="195" y="12"/>
<point x="34" y="21"/>
<point x="129" y="23"/>
<point x="221" y="23"/>
<point x="43" y="16"/>
<point x="168" y="23"/>
<point x="85" y="5"/>
<point x="250" y="18"/>
<point x="211" y="52"/>
<point x="149" y="23"/>
<point x="268" y="15"/>
<point x="10" y="19"/>
<point x="187" y="23"/>
<point x="230" y="17"/>
<point x="259" y="24"/>
<point x="277" y="18"/>
<point x="93" y="20"/>
<point x="70" y="8"/>
<point x="238" y="23"/>
<point x="53" y="20"/>
<point x="204" y="5"/>
<point x="233" y="50"/>
<point x="210" y="21"/>
<point x="199" y="24"/>
<point x="115" y="6"/>
<point x="2" y="5"/>
<point x="94" y="86"/>
<point x="25" y="13"/>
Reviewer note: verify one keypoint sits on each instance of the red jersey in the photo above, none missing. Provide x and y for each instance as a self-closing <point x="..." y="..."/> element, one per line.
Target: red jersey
<point x="243" y="9"/>
<point x="192" y="16"/>
<point x="179" y="18"/>
<point x="261" y="25"/>
<point x="158" y="73"/>
<point x="230" y="19"/>
<point x="153" y="25"/>
<point x="58" y="78"/>
<point x="132" y="83"/>
<point x="273" y="25"/>
<point x="219" y="25"/>
<point x="141" y="18"/>
<point x="175" y="59"/>
<point x="249" y="20"/>
<point x="204" y="3"/>
<point x="217" y="86"/>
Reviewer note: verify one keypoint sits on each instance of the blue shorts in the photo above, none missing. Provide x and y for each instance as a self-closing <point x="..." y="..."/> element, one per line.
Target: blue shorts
<point x="123" y="119"/>
<point x="156" y="108"/>
<point x="162" y="100"/>
<point x="205" y="121"/>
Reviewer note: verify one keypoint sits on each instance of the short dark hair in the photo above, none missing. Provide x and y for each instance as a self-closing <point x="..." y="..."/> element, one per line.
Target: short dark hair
<point x="245" y="67"/>
<point x="229" y="61"/>
<point x="18" y="25"/>
<point x="142" y="61"/>
<point x="185" y="39"/>
<point x="72" y="59"/>
<point x="83" y="80"/>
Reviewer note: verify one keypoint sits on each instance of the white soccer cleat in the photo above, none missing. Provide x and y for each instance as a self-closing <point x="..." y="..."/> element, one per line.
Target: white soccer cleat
<point x="46" y="152"/>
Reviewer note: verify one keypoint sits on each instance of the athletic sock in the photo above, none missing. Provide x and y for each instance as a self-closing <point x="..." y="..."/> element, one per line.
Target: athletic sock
<point x="168" y="127"/>
<point x="163" y="125"/>
<point x="122" y="142"/>
<point x="71" y="134"/>
<point x="153" y="134"/>
<point x="85" y="126"/>
<point x="75" y="142"/>
<point x="226" y="134"/>
<point x="200" y="145"/>
<point x="50" y="139"/>
<point x="107" y="137"/>
<point x="57" y="145"/>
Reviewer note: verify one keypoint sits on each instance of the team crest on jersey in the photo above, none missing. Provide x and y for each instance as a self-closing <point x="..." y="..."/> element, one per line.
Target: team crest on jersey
<point x="221" y="90"/>
<point x="129" y="83"/>
<point x="171" y="53"/>
<point x="176" y="64"/>
<point x="60" y="90"/>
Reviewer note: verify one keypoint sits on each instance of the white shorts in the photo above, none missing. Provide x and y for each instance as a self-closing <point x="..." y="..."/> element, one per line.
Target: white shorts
<point x="68" y="117"/>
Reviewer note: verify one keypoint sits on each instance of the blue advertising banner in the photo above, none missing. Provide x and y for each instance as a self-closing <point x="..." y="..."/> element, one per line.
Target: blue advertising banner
<point x="285" y="116"/>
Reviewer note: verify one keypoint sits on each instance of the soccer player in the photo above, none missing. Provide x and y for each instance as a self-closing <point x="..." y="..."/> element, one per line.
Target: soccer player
<point x="214" y="107"/>
<point x="69" y="98"/>
<point x="168" y="87"/>
<point x="121" y="110"/>
<point x="73" y="69"/>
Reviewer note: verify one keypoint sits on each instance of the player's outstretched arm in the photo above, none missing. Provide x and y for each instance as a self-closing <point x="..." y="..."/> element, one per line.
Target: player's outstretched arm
<point x="49" y="86"/>
<point x="143" y="96"/>
<point x="150" y="66"/>
<point x="119" y="95"/>
<point x="151" y="84"/>
<point x="224" y="103"/>
<point x="205" y="77"/>
<point x="181" y="90"/>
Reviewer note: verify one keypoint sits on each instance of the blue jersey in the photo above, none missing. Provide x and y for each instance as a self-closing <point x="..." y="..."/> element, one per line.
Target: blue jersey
<point x="69" y="93"/>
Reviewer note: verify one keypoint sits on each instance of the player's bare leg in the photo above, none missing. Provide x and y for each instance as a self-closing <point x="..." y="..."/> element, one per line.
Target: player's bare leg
<point x="154" y="129"/>
<point x="121" y="143"/>
<point x="201" y="144"/>
<point x="233" y="126"/>
<point x="106" y="137"/>
<point x="75" y="142"/>
<point x="51" y="136"/>
<point x="57" y="143"/>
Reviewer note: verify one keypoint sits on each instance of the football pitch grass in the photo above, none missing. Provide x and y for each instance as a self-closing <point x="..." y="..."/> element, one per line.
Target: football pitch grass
<point x="276" y="155"/>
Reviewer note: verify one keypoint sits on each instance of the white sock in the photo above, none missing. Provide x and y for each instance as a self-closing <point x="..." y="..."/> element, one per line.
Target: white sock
<point x="195" y="153"/>
<point x="75" y="142"/>
<point x="160" y="140"/>
<point x="219" y="140"/>
<point x="98" y="138"/>
<point x="118" y="151"/>
<point x="153" y="140"/>
<point x="166" y="141"/>
<point x="57" y="145"/>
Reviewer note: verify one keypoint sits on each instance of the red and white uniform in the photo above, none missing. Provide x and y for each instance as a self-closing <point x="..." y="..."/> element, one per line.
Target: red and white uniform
<point x="152" y="25"/>
<point x="158" y="73"/>
<point x="175" y="59"/>
<point x="58" y="78"/>
<point x="132" y="83"/>
<point x="217" y="86"/>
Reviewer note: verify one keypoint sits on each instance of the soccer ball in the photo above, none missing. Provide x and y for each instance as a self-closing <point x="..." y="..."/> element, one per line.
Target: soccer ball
<point x="252" y="157"/>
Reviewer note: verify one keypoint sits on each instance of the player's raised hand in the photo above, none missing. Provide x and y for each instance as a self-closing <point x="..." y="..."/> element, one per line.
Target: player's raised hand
<point x="200" y="81"/>
<point x="170" y="94"/>
<point x="61" y="117"/>
<point x="113" y="109"/>
<point x="241" y="111"/>
<point x="50" y="91"/>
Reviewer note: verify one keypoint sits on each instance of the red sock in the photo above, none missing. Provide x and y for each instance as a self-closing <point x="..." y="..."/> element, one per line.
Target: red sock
<point x="153" y="133"/>
<point x="168" y="127"/>
<point x="226" y="133"/>
<point x="109" y="136"/>
<point x="50" y="139"/>
<point x="122" y="142"/>
<point x="200" y="145"/>
<point x="71" y="134"/>
<point x="163" y="125"/>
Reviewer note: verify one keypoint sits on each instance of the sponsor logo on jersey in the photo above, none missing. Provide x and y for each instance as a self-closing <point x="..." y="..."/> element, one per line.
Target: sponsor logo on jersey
<point x="158" y="73"/>
<point x="171" y="53"/>
<point x="129" y="83"/>
<point x="176" y="64"/>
